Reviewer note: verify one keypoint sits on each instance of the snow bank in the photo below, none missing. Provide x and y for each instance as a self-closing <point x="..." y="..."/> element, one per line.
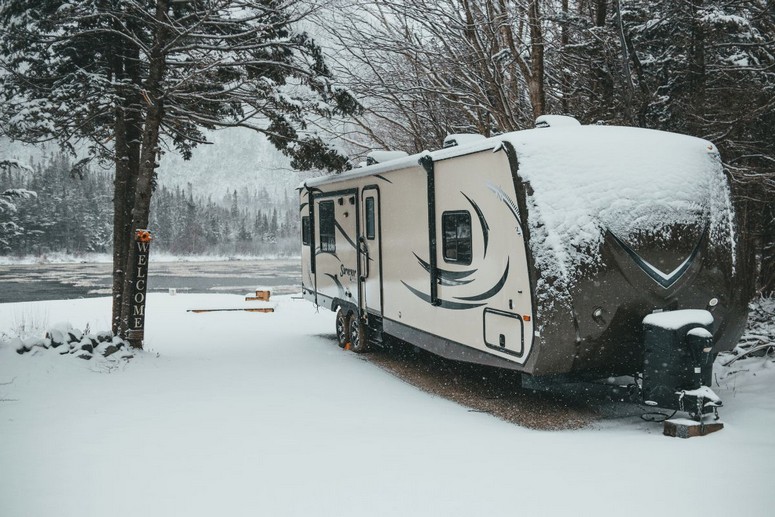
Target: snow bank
<point x="246" y="414"/>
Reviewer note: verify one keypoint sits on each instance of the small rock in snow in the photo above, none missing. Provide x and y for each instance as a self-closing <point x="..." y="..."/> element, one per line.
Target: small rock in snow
<point x="83" y="354"/>
<point x="53" y="343"/>
<point x="74" y="335"/>
<point x="106" y="349"/>
<point x="59" y="333"/>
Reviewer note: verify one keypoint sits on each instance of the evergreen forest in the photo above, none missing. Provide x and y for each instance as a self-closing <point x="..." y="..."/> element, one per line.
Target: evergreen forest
<point x="72" y="214"/>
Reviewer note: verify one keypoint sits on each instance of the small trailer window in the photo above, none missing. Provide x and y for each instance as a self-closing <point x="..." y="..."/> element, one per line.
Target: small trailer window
<point x="305" y="230"/>
<point x="327" y="227"/>
<point x="456" y="236"/>
<point x="370" y="218"/>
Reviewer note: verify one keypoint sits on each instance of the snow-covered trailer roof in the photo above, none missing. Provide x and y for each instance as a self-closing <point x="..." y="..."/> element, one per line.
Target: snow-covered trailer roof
<point x="589" y="180"/>
<point x="586" y="180"/>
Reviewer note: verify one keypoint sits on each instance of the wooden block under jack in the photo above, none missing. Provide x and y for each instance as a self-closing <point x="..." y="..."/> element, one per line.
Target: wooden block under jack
<point x="261" y="296"/>
<point x="685" y="428"/>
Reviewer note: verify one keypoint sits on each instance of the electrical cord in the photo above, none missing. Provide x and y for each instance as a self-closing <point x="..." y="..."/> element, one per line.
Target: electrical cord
<point x="656" y="416"/>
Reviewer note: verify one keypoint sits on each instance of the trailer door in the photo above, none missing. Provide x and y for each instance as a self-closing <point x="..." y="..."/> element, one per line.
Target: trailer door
<point x="370" y="248"/>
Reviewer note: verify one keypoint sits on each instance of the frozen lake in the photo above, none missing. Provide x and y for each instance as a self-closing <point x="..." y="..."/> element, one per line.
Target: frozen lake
<point x="35" y="282"/>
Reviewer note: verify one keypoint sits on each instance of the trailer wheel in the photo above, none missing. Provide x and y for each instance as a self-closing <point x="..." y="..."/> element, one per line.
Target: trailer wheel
<point x="342" y="327"/>
<point x="358" y="339"/>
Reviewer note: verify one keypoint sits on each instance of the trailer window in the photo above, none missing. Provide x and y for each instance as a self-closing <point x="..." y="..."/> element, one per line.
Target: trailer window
<point x="305" y="230"/>
<point x="370" y="218"/>
<point x="456" y="236"/>
<point x="327" y="227"/>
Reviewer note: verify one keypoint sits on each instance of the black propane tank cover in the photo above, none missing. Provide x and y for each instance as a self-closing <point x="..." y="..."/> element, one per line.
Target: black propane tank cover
<point x="700" y="343"/>
<point x="668" y="362"/>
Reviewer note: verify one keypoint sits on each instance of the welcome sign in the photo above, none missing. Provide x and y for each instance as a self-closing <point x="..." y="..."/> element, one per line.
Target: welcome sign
<point x="136" y="327"/>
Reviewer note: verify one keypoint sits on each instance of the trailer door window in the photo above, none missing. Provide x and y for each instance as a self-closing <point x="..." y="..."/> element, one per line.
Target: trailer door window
<point x="370" y="218"/>
<point x="456" y="236"/>
<point x="305" y="230"/>
<point x="327" y="227"/>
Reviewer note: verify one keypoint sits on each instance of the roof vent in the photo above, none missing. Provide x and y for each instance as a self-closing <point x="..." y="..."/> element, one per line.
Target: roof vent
<point x="462" y="139"/>
<point x="556" y="121"/>
<point x="384" y="156"/>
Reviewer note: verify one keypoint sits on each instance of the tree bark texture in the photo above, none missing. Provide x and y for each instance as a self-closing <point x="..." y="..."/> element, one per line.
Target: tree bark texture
<point x="536" y="77"/>
<point x="149" y="152"/>
<point x="696" y="77"/>
<point x="120" y="216"/>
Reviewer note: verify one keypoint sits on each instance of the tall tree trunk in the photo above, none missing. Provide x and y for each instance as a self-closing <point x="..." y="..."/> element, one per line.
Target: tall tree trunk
<point x="127" y="151"/>
<point x="564" y="75"/>
<point x="601" y="12"/>
<point x="123" y="59"/>
<point x="149" y="152"/>
<point x="629" y="88"/>
<point x="766" y="281"/>
<point x="134" y="122"/>
<point x="120" y="216"/>
<point x="748" y="243"/>
<point x="696" y="77"/>
<point x="536" y="78"/>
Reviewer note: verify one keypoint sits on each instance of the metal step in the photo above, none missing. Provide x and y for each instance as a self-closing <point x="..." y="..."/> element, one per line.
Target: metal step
<point x="374" y="334"/>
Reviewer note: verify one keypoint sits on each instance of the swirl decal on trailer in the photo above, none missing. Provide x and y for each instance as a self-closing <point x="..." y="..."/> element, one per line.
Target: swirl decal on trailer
<point x="482" y="221"/>
<point x="445" y="304"/>
<point x="448" y="277"/>
<point x="460" y="278"/>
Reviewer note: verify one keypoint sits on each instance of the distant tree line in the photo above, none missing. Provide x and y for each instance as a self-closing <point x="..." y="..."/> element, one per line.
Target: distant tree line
<point x="70" y="214"/>
<point x="245" y="222"/>
<point x="73" y="213"/>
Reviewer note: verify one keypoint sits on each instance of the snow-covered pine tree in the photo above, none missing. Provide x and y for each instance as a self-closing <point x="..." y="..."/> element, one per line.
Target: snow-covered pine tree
<point x="9" y="227"/>
<point x="134" y="78"/>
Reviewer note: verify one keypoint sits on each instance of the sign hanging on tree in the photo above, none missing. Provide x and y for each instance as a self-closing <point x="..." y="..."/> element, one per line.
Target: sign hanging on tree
<point x="136" y="327"/>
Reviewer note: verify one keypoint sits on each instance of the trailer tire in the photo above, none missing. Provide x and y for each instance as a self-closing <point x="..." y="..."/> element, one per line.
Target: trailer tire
<point x="359" y="342"/>
<point x="342" y="327"/>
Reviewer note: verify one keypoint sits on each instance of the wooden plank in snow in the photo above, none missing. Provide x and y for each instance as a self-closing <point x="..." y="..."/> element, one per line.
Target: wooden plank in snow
<point x="244" y="309"/>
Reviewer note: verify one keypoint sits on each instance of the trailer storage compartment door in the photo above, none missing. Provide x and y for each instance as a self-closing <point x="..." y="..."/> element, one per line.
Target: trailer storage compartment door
<point x="504" y="331"/>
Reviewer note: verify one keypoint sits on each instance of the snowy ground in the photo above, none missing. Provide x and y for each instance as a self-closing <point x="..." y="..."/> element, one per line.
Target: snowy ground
<point x="253" y="414"/>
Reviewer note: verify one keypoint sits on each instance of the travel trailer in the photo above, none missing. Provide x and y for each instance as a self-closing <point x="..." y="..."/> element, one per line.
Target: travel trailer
<point x="550" y="251"/>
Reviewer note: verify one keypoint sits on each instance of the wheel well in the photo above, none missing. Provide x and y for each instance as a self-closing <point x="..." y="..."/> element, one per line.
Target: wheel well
<point x="349" y="308"/>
